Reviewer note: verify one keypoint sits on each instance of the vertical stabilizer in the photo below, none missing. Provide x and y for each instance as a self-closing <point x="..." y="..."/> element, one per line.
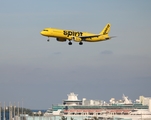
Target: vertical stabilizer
<point x="106" y="29"/>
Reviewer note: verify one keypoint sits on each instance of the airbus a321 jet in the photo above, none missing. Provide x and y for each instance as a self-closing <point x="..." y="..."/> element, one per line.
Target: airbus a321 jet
<point x="63" y="35"/>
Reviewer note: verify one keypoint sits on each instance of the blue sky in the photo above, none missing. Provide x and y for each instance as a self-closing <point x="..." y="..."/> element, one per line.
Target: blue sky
<point x="41" y="73"/>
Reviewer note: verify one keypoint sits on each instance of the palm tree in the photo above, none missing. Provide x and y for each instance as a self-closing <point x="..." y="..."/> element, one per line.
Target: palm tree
<point x="64" y="118"/>
<point x="95" y="118"/>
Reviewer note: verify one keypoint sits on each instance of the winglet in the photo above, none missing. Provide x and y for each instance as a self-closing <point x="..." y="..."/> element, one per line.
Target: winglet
<point x="106" y="29"/>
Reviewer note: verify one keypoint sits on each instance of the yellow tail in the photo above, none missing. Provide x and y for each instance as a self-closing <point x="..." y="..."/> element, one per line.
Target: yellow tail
<point x="106" y="29"/>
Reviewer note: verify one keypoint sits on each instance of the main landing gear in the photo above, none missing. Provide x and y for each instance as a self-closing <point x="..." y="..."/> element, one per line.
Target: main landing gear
<point x="48" y="39"/>
<point x="80" y="43"/>
<point x="70" y="43"/>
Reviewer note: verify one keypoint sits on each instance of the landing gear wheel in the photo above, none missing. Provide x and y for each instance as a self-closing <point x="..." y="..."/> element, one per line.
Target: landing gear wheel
<point x="70" y="43"/>
<point x="48" y="40"/>
<point x="80" y="43"/>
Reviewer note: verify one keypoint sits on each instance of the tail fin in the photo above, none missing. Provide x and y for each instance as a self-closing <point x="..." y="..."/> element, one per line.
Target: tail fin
<point x="106" y="29"/>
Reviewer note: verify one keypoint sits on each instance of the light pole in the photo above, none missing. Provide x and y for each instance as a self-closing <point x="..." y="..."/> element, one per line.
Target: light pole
<point x="4" y="112"/>
<point x="18" y="112"/>
<point x="22" y="111"/>
<point x="10" y="111"/>
<point x="18" y="109"/>
<point x="14" y="110"/>
<point x="0" y="110"/>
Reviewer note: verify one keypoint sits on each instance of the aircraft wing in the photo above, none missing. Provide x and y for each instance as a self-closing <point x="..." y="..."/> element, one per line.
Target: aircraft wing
<point x="112" y="36"/>
<point x="89" y="36"/>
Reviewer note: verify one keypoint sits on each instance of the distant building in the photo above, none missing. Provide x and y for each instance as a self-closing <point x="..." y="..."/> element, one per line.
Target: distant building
<point x="144" y="100"/>
<point x="6" y="115"/>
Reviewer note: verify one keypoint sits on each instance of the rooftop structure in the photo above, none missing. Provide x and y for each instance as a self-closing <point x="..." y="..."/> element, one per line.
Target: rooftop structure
<point x="72" y="100"/>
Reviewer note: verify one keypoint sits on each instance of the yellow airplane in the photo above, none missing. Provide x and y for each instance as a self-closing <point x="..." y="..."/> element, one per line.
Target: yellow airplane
<point x="63" y="35"/>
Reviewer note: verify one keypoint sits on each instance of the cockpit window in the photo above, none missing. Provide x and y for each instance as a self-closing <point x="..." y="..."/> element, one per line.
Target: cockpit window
<point x="45" y="30"/>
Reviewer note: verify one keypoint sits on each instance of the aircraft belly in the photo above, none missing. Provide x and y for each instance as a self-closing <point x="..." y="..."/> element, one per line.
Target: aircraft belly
<point x="93" y="39"/>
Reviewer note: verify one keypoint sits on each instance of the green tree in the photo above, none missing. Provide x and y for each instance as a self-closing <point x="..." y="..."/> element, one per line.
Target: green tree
<point x="95" y="118"/>
<point x="64" y="118"/>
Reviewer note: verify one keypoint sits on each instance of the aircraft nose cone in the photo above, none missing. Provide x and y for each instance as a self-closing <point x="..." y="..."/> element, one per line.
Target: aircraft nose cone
<point x="41" y="32"/>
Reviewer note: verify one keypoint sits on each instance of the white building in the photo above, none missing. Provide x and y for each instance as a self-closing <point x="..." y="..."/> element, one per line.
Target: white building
<point x="144" y="100"/>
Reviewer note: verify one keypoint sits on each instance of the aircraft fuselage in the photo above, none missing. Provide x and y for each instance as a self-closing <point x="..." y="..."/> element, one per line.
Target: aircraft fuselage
<point x="78" y="36"/>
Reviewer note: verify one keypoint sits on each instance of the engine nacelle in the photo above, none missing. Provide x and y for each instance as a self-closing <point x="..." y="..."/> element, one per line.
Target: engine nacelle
<point x="77" y="39"/>
<point x="107" y="38"/>
<point x="61" y="39"/>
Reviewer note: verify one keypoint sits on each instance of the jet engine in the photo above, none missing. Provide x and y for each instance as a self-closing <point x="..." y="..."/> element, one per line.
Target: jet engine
<point x="107" y="38"/>
<point x="61" y="39"/>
